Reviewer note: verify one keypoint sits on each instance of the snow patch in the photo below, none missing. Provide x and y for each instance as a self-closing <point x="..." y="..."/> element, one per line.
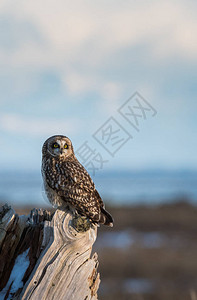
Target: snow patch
<point x="18" y="271"/>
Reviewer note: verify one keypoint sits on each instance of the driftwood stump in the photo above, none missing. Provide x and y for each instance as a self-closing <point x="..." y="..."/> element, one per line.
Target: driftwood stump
<point x="47" y="256"/>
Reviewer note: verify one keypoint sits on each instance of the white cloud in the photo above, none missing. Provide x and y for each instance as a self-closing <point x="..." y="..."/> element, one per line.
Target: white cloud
<point x="37" y="127"/>
<point x="77" y="83"/>
<point x="78" y="39"/>
<point x="67" y="25"/>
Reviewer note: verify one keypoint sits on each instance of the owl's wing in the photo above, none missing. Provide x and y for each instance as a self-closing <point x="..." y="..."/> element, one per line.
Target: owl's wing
<point x="74" y="185"/>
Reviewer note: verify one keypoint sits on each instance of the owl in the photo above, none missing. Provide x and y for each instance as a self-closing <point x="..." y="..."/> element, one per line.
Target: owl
<point x="68" y="184"/>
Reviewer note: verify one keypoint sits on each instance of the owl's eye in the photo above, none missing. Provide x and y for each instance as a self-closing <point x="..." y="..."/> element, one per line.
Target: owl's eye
<point x="65" y="146"/>
<point x="55" y="145"/>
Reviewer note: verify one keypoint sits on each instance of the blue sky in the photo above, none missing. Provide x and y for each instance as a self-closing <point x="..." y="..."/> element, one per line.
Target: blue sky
<point x="67" y="67"/>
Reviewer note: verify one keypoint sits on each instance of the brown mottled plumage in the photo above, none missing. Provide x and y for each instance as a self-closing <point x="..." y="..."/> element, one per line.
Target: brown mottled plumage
<point x="67" y="183"/>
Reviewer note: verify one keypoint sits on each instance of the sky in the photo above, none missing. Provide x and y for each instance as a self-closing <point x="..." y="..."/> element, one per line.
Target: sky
<point x="67" y="68"/>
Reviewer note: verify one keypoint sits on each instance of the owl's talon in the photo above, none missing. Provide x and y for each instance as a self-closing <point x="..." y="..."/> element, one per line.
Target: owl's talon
<point x="81" y="223"/>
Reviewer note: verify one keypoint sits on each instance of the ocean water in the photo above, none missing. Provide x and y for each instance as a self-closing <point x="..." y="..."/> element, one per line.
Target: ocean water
<point x="119" y="188"/>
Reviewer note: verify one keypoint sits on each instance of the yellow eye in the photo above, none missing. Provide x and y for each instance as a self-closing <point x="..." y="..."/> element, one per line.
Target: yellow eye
<point x="55" y="145"/>
<point x="65" y="146"/>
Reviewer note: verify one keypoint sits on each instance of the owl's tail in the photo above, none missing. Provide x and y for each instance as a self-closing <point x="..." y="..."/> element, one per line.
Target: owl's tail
<point x="106" y="218"/>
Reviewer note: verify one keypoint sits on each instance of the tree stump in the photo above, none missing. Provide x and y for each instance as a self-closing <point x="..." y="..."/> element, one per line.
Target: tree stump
<point x="47" y="256"/>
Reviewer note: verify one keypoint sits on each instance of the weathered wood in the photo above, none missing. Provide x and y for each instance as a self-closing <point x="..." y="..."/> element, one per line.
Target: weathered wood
<point x="47" y="256"/>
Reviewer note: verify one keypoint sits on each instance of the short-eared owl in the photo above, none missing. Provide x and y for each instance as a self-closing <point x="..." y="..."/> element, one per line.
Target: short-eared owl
<point x="67" y="183"/>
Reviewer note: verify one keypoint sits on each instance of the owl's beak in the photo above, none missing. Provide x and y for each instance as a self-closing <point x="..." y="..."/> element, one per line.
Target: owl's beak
<point x="61" y="151"/>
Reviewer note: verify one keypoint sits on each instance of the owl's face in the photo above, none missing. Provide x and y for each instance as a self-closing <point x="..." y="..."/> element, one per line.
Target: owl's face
<point x="59" y="146"/>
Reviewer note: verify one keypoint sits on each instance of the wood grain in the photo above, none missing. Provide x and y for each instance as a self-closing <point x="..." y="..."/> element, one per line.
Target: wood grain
<point x="58" y="264"/>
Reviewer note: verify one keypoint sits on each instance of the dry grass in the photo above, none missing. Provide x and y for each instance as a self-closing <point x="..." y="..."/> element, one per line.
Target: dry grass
<point x="171" y="267"/>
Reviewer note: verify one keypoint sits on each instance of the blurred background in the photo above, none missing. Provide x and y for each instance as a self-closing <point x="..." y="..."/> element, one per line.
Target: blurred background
<point x="119" y="79"/>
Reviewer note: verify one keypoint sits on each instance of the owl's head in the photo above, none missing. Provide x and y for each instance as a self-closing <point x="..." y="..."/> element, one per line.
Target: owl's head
<point x="58" y="146"/>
